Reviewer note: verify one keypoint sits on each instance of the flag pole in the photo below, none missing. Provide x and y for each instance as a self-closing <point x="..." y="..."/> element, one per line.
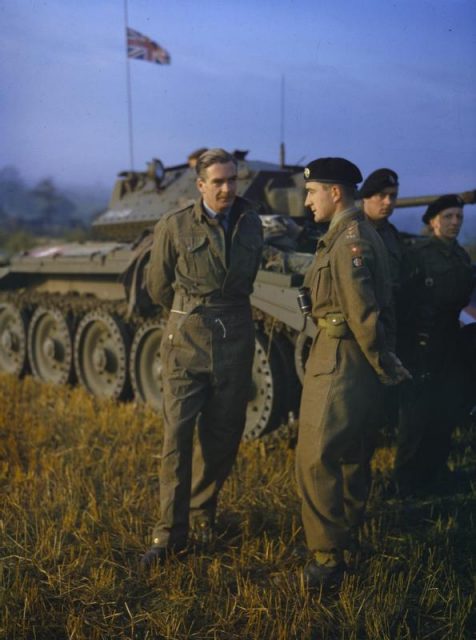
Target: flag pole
<point x="129" y="94"/>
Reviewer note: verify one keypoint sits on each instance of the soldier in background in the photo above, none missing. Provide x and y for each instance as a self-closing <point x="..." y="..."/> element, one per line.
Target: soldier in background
<point x="351" y="355"/>
<point x="437" y="285"/>
<point x="203" y="262"/>
<point x="378" y="195"/>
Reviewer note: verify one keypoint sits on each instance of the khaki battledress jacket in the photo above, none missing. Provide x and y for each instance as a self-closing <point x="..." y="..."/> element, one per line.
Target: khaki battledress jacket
<point x="352" y="307"/>
<point x="189" y="257"/>
<point x="204" y="277"/>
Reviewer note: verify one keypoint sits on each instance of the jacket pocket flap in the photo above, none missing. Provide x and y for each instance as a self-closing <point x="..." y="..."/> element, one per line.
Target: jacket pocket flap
<point x="322" y="360"/>
<point x="195" y="242"/>
<point x="323" y="262"/>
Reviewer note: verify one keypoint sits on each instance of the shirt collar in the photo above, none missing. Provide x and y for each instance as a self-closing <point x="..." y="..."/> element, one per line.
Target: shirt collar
<point x="213" y="214"/>
<point x="328" y="238"/>
<point x="338" y="217"/>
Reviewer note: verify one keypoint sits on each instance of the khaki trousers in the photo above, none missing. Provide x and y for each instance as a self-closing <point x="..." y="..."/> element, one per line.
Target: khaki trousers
<point x="338" y="421"/>
<point x="207" y="357"/>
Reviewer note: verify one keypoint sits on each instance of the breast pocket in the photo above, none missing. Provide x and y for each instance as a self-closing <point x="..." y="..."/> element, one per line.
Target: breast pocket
<point x="195" y="256"/>
<point x="320" y="284"/>
<point x="441" y="283"/>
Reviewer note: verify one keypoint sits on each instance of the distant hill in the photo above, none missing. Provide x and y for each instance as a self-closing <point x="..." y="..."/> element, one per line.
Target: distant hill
<point x="46" y="208"/>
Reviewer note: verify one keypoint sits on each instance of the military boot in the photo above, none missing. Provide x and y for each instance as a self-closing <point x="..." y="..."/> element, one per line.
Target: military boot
<point x="325" y="570"/>
<point x="157" y="555"/>
<point x="202" y="532"/>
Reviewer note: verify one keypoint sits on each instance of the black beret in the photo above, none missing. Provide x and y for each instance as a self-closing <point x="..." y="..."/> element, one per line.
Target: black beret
<point x="442" y="203"/>
<point x="333" y="171"/>
<point x="378" y="181"/>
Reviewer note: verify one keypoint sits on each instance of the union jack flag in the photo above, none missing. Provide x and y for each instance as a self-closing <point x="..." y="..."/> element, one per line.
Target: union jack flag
<point x="141" y="47"/>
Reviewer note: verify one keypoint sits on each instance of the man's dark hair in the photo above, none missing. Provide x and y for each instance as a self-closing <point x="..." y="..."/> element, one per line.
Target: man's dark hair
<point x="212" y="156"/>
<point x="348" y="190"/>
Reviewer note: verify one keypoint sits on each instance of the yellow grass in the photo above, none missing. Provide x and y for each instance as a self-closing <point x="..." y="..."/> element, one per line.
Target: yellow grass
<point x="79" y="497"/>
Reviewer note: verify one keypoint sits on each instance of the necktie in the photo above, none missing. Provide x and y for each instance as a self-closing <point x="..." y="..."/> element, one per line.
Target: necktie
<point x="222" y="220"/>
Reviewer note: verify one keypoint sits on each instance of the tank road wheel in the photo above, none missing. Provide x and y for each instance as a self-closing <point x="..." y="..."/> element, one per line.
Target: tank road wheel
<point x="50" y="346"/>
<point x="145" y="367"/>
<point x="264" y="411"/>
<point x="100" y="354"/>
<point x="13" y="350"/>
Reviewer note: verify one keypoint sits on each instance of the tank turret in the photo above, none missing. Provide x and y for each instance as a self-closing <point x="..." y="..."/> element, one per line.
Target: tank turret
<point x="140" y="198"/>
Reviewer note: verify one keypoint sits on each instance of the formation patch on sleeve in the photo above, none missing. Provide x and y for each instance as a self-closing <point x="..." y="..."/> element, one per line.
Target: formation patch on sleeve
<point x="356" y="253"/>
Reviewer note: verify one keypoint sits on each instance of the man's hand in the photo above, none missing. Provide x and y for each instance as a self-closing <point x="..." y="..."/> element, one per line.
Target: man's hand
<point x="396" y="372"/>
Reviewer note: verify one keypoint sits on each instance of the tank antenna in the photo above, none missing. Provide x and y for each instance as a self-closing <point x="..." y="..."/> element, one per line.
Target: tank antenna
<point x="282" y="151"/>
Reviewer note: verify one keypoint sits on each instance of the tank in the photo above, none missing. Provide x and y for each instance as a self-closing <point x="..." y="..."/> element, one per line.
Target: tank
<point x="77" y="313"/>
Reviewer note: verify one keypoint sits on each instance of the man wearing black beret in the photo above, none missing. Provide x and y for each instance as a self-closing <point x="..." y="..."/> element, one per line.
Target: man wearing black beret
<point x="351" y="355"/>
<point x="437" y="285"/>
<point x="379" y="194"/>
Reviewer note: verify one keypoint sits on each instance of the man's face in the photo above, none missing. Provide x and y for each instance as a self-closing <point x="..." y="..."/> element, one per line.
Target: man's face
<point x="319" y="200"/>
<point x="447" y="224"/>
<point x="218" y="188"/>
<point x="380" y="206"/>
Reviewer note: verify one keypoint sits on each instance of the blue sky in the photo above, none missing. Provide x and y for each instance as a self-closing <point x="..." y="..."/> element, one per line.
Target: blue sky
<point x="381" y="82"/>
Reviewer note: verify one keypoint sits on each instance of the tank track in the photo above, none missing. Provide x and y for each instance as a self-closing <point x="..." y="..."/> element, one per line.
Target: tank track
<point x="115" y="353"/>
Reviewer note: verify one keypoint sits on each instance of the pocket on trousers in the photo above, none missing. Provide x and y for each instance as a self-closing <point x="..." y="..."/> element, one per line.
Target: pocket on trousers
<point x="323" y="357"/>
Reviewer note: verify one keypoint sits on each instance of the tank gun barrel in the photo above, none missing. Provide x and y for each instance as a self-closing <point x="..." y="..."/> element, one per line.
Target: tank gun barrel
<point x="469" y="197"/>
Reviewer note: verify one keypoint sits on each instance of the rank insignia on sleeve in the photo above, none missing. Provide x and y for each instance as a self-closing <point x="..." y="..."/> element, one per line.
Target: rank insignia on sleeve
<point x="352" y="231"/>
<point x="357" y="261"/>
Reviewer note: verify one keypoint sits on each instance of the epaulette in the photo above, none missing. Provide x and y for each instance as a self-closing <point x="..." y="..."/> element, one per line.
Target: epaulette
<point x="174" y="212"/>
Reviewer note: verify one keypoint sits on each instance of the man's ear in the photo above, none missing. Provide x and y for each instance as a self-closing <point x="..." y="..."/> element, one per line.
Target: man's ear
<point x="336" y="193"/>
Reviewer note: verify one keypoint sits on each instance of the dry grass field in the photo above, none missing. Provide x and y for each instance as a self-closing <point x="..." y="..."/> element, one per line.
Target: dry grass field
<point x="79" y="496"/>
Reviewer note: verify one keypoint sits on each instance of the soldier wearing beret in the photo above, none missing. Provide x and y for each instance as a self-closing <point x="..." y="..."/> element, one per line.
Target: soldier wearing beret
<point x="351" y="355"/>
<point x="378" y="196"/>
<point x="203" y="262"/>
<point x="437" y="285"/>
<point x="379" y="193"/>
